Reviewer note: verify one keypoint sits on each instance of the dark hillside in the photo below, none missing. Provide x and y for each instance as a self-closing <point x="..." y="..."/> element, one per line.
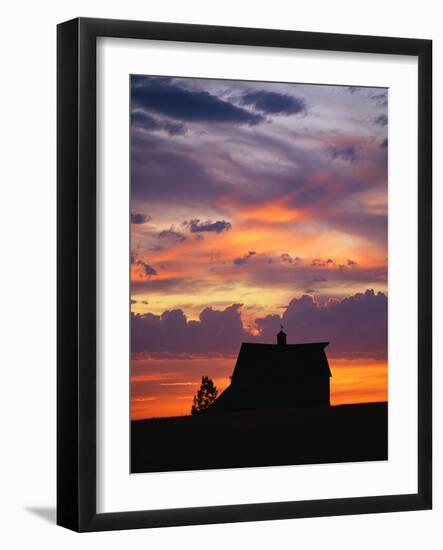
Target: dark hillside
<point x="303" y="435"/>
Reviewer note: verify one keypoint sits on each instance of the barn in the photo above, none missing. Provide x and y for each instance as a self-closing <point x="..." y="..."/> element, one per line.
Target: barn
<point x="280" y="375"/>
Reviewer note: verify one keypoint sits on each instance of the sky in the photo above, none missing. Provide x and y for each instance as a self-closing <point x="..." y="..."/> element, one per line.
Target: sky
<point x="255" y="205"/>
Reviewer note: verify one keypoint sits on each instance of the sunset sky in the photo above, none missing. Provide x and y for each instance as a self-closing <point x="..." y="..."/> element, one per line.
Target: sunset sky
<point x="253" y="205"/>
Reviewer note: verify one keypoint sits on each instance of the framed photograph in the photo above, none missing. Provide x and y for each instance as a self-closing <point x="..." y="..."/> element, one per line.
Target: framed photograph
<point x="244" y="274"/>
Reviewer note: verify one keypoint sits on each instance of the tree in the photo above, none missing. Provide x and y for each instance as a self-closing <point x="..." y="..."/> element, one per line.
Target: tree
<point x="205" y="396"/>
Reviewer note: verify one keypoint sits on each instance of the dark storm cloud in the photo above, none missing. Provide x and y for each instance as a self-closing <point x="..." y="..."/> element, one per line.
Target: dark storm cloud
<point x="381" y="120"/>
<point x="139" y="218"/>
<point x="197" y="226"/>
<point x="157" y="95"/>
<point x="354" y="326"/>
<point x="273" y="103"/>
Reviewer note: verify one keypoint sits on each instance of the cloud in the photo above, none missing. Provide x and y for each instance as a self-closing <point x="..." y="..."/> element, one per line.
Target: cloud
<point x="244" y="259"/>
<point x="164" y="97"/>
<point x="355" y="326"/>
<point x="172" y="234"/>
<point x="287" y="258"/>
<point x="347" y="153"/>
<point x="196" y="226"/>
<point x="214" y="331"/>
<point x="317" y="262"/>
<point x="176" y="174"/>
<point x="380" y="99"/>
<point x="142" y="120"/>
<point x="147" y="269"/>
<point x="373" y="227"/>
<point x="319" y="169"/>
<point x="174" y="128"/>
<point x="260" y="273"/>
<point x="381" y="120"/>
<point x="171" y="284"/>
<point x="274" y="103"/>
<point x="139" y="218"/>
<point x="384" y="144"/>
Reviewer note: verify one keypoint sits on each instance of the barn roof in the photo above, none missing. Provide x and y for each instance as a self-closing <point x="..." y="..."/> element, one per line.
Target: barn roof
<point x="260" y="361"/>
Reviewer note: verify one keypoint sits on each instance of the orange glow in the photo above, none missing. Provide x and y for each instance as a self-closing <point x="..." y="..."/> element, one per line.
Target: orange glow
<point x="150" y="407"/>
<point x="358" y="381"/>
<point x="177" y="404"/>
<point x="271" y="213"/>
<point x="353" y="381"/>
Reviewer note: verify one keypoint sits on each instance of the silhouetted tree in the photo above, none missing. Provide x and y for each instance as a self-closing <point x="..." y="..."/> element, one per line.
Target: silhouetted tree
<point x="205" y="396"/>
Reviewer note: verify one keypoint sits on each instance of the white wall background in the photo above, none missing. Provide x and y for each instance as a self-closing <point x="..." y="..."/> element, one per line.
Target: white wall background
<point x="27" y="306"/>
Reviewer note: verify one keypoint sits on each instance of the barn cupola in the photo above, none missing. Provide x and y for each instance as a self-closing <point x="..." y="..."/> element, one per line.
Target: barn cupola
<point x="281" y="337"/>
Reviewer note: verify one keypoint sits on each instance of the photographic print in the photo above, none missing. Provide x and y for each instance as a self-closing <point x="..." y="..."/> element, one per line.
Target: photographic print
<point x="259" y="297"/>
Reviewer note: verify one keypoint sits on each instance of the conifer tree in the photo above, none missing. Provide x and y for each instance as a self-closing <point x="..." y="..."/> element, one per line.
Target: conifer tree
<point x="205" y="396"/>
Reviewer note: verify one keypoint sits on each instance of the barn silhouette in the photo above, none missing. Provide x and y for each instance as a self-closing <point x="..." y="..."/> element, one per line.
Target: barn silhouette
<point x="281" y="375"/>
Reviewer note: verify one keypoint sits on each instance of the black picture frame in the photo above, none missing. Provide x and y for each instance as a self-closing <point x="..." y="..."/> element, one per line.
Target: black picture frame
<point x="76" y="282"/>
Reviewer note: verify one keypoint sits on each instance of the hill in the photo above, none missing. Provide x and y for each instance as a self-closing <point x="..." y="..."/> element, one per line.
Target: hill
<point x="305" y="435"/>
